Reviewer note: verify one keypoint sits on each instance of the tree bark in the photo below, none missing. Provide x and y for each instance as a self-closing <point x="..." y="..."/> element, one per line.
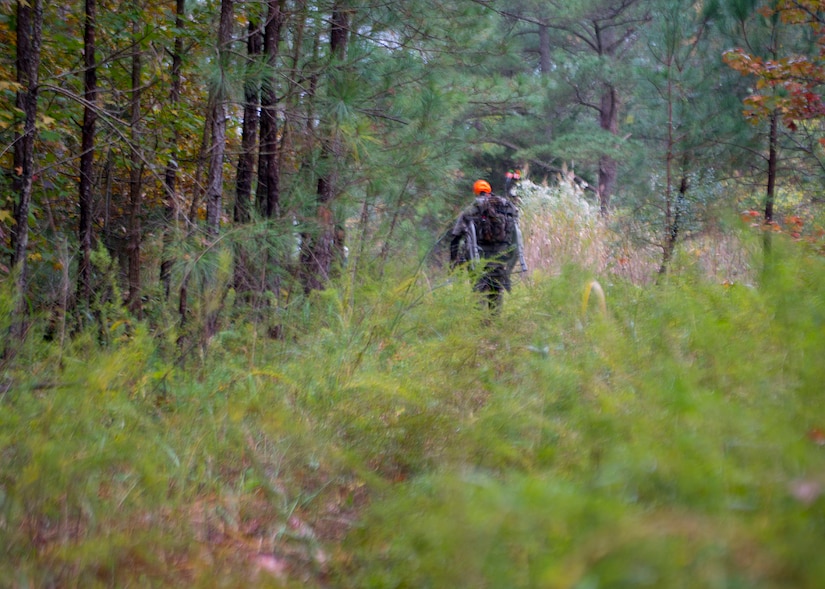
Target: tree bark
<point x="770" y="193"/>
<point x="24" y="33"/>
<point x="675" y="225"/>
<point x="268" y="193"/>
<point x="671" y="225"/>
<point x="135" y="181"/>
<point x="29" y="34"/>
<point x="323" y="247"/>
<point x="249" y="132"/>
<point x="773" y="158"/>
<point x="544" y="50"/>
<point x="171" y="211"/>
<point x="214" y="182"/>
<point x="214" y="185"/>
<point x="246" y="159"/>
<point x="87" y="142"/>
<point x="608" y="167"/>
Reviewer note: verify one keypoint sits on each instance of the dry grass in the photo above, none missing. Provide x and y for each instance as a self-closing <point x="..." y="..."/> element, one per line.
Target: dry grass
<point x="561" y="225"/>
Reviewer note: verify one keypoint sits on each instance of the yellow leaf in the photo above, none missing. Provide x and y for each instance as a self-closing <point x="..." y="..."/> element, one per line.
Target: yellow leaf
<point x="9" y="85"/>
<point x="6" y="216"/>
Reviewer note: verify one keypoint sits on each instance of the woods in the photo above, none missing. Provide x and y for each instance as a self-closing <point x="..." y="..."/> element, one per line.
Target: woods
<point x="156" y="131"/>
<point x="235" y="351"/>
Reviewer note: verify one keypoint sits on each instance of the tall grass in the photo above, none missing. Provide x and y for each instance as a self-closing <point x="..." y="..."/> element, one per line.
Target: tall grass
<point x="404" y="438"/>
<point x="673" y="443"/>
<point x="562" y="225"/>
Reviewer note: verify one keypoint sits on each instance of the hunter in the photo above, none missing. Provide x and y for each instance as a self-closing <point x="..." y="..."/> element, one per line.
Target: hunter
<point x="489" y="232"/>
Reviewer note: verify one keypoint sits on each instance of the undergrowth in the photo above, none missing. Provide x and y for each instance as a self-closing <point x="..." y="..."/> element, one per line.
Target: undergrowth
<point x="404" y="438"/>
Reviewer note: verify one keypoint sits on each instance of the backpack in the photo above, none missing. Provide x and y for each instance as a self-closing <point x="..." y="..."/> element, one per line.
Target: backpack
<point x="494" y="221"/>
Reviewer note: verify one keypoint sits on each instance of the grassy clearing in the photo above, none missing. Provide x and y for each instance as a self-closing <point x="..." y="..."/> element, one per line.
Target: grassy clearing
<point x="673" y="440"/>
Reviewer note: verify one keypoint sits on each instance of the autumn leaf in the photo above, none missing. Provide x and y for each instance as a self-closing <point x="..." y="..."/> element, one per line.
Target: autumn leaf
<point x="8" y="85"/>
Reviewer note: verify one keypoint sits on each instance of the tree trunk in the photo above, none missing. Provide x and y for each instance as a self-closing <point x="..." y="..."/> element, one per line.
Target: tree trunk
<point x="670" y="226"/>
<point x="171" y="212"/>
<point x="323" y="247"/>
<point x="268" y="194"/>
<point x="135" y="181"/>
<point x="608" y="167"/>
<point x="24" y="33"/>
<point x="87" y="142"/>
<point x="770" y="195"/>
<point x="675" y="226"/>
<point x="29" y="33"/>
<point x="249" y="132"/>
<point x="214" y="182"/>
<point x="246" y="159"/>
<point x="544" y="50"/>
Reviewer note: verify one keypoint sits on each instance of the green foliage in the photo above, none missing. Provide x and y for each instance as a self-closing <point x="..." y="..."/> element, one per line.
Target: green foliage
<point x="673" y="439"/>
<point x="542" y="531"/>
<point x="667" y="419"/>
<point x="387" y="432"/>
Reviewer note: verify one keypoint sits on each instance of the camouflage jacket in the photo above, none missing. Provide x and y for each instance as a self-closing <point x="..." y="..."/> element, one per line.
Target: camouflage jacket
<point x="466" y="244"/>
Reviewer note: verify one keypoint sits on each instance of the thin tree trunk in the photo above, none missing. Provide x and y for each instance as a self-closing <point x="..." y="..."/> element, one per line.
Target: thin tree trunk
<point x="87" y="142"/>
<point x="268" y="194"/>
<point x="29" y="31"/>
<point x="170" y="178"/>
<point x="214" y="182"/>
<point x="249" y="133"/>
<point x="608" y="117"/>
<point x="675" y="226"/>
<point x="770" y="195"/>
<point x="214" y="185"/>
<point x="323" y="247"/>
<point x="544" y="50"/>
<point x="24" y="24"/>
<point x="670" y="229"/>
<point x="608" y="167"/>
<point x="246" y="159"/>
<point x="135" y="182"/>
